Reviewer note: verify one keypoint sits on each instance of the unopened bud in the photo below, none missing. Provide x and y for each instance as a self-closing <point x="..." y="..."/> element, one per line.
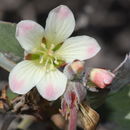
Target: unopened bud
<point x="73" y="69"/>
<point x="77" y="66"/>
<point x="101" y="77"/>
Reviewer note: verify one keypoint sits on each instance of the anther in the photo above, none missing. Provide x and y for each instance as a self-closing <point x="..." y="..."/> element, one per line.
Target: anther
<point x="43" y="45"/>
<point x="46" y="63"/>
<point x="56" y="62"/>
<point x="41" y="59"/>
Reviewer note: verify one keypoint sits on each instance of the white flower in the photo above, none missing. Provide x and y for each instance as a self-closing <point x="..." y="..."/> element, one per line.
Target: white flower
<point x="47" y="50"/>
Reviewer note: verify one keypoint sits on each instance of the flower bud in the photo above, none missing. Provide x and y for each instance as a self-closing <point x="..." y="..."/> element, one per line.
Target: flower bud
<point x="101" y="77"/>
<point x="77" y="66"/>
<point x="73" y="69"/>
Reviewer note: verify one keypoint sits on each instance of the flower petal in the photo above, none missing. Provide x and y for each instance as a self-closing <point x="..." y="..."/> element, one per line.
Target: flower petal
<point x="53" y="85"/>
<point x="59" y="25"/>
<point x="78" y="48"/>
<point x="29" y="34"/>
<point x="25" y="76"/>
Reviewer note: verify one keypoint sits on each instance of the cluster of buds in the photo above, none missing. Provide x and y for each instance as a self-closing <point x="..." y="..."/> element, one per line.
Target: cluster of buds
<point x="74" y="102"/>
<point x="100" y="78"/>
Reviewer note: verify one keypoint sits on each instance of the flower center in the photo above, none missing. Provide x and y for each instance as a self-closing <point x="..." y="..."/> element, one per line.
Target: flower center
<point x="45" y="55"/>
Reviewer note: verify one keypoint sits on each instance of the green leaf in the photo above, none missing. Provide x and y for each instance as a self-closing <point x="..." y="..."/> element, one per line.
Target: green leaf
<point x="8" y="43"/>
<point x="119" y="106"/>
<point x="11" y="95"/>
<point x="96" y="99"/>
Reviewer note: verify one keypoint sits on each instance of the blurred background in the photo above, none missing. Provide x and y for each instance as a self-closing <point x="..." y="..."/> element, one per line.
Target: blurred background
<point x="106" y="20"/>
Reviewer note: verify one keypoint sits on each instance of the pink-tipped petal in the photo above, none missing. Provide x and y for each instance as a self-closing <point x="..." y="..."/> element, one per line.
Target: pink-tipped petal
<point x="78" y="48"/>
<point x="25" y="76"/>
<point x="52" y="85"/>
<point x="60" y="24"/>
<point x="29" y="34"/>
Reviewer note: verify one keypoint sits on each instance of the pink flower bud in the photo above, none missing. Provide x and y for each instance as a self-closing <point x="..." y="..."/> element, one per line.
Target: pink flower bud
<point x="101" y="77"/>
<point x="77" y="66"/>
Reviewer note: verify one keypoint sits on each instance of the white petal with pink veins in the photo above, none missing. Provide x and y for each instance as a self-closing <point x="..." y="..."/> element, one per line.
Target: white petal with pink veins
<point x="24" y="76"/>
<point x="59" y="25"/>
<point x="29" y="34"/>
<point x="52" y="85"/>
<point x="78" y="48"/>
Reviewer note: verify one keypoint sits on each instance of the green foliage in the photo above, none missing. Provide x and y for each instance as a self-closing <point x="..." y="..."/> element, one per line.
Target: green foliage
<point x="8" y="42"/>
<point x="96" y="99"/>
<point x="119" y="106"/>
<point x="10" y="50"/>
<point x="11" y="95"/>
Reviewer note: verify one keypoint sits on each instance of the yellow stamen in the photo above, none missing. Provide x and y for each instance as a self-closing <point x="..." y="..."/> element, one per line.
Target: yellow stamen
<point x="41" y="59"/>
